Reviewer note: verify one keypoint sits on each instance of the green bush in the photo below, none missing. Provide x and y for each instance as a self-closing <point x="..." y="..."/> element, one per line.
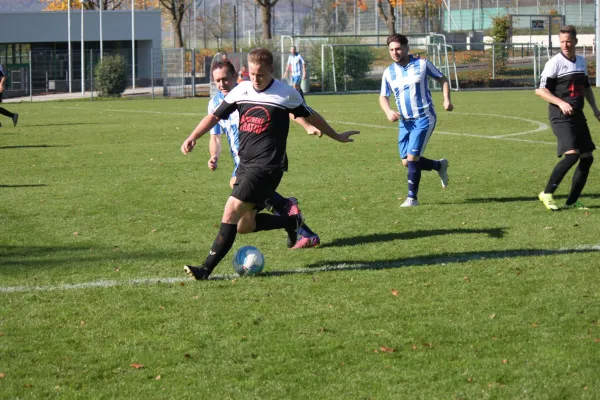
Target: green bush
<point x="501" y="33"/>
<point x="110" y="75"/>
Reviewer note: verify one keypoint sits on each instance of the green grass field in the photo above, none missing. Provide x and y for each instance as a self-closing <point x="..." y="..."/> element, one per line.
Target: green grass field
<point x="478" y="293"/>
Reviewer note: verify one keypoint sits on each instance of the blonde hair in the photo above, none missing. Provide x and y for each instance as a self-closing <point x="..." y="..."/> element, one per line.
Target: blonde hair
<point x="261" y="56"/>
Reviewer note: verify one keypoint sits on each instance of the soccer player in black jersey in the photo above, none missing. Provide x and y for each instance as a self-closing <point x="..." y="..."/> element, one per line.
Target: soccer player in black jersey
<point x="264" y="105"/>
<point x="564" y="84"/>
<point x="4" y="111"/>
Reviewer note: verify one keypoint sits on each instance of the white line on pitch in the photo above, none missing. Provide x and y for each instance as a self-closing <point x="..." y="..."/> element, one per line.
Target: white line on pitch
<point x="540" y="125"/>
<point x="450" y="133"/>
<point x="414" y="262"/>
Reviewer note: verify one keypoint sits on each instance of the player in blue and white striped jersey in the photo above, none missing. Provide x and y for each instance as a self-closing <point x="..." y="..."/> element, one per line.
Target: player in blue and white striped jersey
<point x="224" y="76"/>
<point x="406" y="78"/>
<point x="297" y="68"/>
<point x="4" y="111"/>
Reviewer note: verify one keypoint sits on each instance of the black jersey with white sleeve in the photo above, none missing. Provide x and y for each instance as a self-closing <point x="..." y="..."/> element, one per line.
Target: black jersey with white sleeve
<point x="264" y="121"/>
<point x="565" y="79"/>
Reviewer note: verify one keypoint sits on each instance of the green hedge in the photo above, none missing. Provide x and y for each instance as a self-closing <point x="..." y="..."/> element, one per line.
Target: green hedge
<point x="110" y="75"/>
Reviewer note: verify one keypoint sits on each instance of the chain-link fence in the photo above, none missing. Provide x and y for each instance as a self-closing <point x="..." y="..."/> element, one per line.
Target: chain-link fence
<point x="213" y="24"/>
<point x="334" y="65"/>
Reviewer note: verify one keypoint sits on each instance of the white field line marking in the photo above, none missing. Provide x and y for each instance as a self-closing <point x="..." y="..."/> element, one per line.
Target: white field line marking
<point x="450" y="133"/>
<point x="414" y="262"/>
<point x="540" y="125"/>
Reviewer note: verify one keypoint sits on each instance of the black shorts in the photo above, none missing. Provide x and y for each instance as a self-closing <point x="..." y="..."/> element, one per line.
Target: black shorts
<point x="1" y="93"/>
<point x="573" y="134"/>
<point x="255" y="185"/>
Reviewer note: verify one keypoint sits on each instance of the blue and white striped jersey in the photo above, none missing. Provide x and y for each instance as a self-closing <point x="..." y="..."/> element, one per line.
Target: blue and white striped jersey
<point x="228" y="126"/>
<point x="296" y="61"/>
<point x="409" y="85"/>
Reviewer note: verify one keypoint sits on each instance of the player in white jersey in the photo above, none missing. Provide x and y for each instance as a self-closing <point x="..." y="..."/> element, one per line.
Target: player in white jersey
<point x="297" y="68"/>
<point x="565" y="86"/>
<point x="406" y="78"/>
<point x="224" y="74"/>
<point x="4" y="111"/>
<point x="264" y="105"/>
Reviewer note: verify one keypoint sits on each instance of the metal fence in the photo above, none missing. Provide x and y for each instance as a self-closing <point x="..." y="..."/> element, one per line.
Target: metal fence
<point x="211" y="23"/>
<point x="51" y="71"/>
<point x="334" y="65"/>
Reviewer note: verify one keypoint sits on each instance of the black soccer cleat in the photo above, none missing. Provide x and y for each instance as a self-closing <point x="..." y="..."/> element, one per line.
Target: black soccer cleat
<point x="198" y="273"/>
<point x="15" y="119"/>
<point x="293" y="233"/>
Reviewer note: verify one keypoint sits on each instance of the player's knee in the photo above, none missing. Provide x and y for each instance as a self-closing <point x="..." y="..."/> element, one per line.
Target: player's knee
<point x="571" y="158"/>
<point x="242" y="230"/>
<point x="245" y="226"/>
<point x="585" y="163"/>
<point x="405" y="162"/>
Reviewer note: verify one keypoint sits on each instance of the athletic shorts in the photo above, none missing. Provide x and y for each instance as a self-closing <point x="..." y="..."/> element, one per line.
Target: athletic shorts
<point x="255" y="185"/>
<point x="1" y="97"/>
<point x="573" y="134"/>
<point x="296" y="79"/>
<point x="414" y="135"/>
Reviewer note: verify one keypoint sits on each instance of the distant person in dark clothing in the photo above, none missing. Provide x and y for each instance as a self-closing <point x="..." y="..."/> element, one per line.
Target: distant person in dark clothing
<point x="4" y="111"/>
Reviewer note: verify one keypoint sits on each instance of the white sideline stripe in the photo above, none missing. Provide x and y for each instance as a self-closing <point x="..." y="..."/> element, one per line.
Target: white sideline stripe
<point x="540" y="125"/>
<point x="325" y="268"/>
<point x="451" y="133"/>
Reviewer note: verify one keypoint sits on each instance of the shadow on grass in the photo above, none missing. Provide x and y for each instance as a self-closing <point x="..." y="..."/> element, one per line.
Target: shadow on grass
<point x="32" y="146"/>
<point x="440" y="259"/>
<point x="321" y="266"/>
<point x="525" y="198"/>
<point x="21" y="186"/>
<point x="497" y="233"/>
<point x="70" y="124"/>
<point x="25" y="257"/>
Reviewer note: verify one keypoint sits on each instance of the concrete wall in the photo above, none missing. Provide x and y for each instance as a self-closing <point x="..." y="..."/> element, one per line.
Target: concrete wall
<point x="44" y="27"/>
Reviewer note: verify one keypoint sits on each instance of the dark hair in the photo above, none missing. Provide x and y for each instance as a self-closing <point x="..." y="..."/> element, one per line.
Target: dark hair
<point x="224" y="64"/>
<point x="570" y="29"/>
<point x="261" y="56"/>
<point x="396" y="37"/>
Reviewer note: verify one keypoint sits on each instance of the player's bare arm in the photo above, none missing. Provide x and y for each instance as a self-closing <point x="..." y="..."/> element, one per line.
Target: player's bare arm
<point x="319" y="122"/>
<point x="591" y="100"/>
<point x="384" y="103"/>
<point x="214" y="148"/>
<point x="448" y="106"/>
<point x="204" y="126"/>
<point x="550" y="98"/>
<point x="310" y="129"/>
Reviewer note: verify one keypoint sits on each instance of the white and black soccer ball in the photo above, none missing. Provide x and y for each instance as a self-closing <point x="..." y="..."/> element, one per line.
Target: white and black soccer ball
<point x="248" y="260"/>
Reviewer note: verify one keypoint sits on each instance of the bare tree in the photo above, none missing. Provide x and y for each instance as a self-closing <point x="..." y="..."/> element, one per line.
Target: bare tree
<point x="176" y="9"/>
<point x="389" y="17"/>
<point x="266" y="11"/>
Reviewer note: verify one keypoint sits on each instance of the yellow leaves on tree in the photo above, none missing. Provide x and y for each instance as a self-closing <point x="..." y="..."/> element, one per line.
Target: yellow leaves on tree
<point x="62" y="5"/>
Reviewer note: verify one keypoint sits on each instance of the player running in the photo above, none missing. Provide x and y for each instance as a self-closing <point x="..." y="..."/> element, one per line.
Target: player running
<point x="4" y="111"/>
<point x="223" y="73"/>
<point x="564" y="84"/>
<point x="407" y="79"/>
<point x="264" y="105"/>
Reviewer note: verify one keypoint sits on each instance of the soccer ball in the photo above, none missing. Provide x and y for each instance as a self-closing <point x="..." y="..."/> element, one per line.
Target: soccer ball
<point x="248" y="260"/>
